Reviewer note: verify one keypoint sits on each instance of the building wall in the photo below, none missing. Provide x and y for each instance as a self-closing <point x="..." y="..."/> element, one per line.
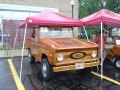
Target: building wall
<point x="63" y="5"/>
<point x="10" y="26"/>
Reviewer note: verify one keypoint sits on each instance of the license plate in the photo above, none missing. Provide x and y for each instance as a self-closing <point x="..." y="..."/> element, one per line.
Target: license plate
<point x="79" y="65"/>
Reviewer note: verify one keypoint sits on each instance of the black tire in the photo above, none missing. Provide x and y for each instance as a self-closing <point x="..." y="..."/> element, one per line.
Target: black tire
<point x="106" y="60"/>
<point x="46" y="69"/>
<point x="31" y="57"/>
<point x="117" y="63"/>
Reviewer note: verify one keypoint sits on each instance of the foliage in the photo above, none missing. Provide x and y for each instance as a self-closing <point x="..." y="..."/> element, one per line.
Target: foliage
<point x="113" y="5"/>
<point x="87" y="7"/>
<point x="91" y="31"/>
<point x="5" y="48"/>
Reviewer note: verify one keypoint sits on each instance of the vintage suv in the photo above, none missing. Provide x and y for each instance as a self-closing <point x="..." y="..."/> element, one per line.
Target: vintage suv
<point x="58" y="50"/>
<point x="113" y="52"/>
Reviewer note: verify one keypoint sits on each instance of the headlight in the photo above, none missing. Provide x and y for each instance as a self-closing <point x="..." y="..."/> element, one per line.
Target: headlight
<point x="94" y="54"/>
<point x="60" y="57"/>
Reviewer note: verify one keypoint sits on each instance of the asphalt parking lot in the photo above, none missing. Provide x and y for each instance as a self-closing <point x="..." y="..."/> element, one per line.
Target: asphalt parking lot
<point x="32" y="80"/>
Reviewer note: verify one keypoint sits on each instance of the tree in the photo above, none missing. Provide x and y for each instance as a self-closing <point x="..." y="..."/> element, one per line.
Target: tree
<point x="87" y="7"/>
<point x="113" y="5"/>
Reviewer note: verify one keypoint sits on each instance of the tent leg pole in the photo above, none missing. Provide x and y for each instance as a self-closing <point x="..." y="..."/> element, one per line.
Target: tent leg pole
<point x="101" y="50"/>
<point x="86" y="33"/>
<point x="23" y="51"/>
<point x="14" y="43"/>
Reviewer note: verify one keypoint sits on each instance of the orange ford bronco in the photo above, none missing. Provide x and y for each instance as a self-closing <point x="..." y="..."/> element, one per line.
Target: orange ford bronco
<point x="58" y="50"/>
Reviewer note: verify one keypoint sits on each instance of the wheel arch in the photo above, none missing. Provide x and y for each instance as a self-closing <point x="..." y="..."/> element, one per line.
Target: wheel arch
<point x="28" y="49"/>
<point x="48" y="58"/>
<point x="44" y="56"/>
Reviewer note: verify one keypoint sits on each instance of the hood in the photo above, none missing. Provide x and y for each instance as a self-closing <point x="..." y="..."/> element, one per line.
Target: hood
<point x="69" y="43"/>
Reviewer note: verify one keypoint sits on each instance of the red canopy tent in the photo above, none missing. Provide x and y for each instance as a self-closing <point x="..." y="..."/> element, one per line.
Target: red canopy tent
<point x="46" y="18"/>
<point x="105" y="16"/>
<point x="102" y="18"/>
<point x="50" y="18"/>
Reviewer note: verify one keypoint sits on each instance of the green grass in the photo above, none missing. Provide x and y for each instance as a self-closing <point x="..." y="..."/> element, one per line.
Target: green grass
<point x="5" y="48"/>
<point x="2" y="48"/>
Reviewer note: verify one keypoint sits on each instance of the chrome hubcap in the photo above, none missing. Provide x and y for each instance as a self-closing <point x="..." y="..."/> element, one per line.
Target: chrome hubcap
<point x="29" y="56"/>
<point x="44" y="70"/>
<point x="118" y="63"/>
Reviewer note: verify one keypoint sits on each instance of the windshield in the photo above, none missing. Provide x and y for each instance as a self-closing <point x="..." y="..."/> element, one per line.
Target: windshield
<point x="55" y="32"/>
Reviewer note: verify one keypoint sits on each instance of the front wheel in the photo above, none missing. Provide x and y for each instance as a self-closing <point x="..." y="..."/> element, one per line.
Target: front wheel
<point x="117" y="63"/>
<point x="46" y="69"/>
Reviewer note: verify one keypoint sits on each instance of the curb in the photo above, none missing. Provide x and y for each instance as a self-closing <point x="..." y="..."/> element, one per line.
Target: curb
<point x="13" y="57"/>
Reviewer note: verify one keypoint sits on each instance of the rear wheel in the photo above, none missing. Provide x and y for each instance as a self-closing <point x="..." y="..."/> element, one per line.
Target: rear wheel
<point x="117" y="63"/>
<point x="31" y="57"/>
<point x="46" y="69"/>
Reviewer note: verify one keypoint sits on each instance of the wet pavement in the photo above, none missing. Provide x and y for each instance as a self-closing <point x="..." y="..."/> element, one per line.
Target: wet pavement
<point x="6" y="79"/>
<point x="32" y="80"/>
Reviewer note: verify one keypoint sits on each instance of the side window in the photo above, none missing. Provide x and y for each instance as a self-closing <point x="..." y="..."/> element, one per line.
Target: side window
<point x="33" y="33"/>
<point x="37" y="34"/>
